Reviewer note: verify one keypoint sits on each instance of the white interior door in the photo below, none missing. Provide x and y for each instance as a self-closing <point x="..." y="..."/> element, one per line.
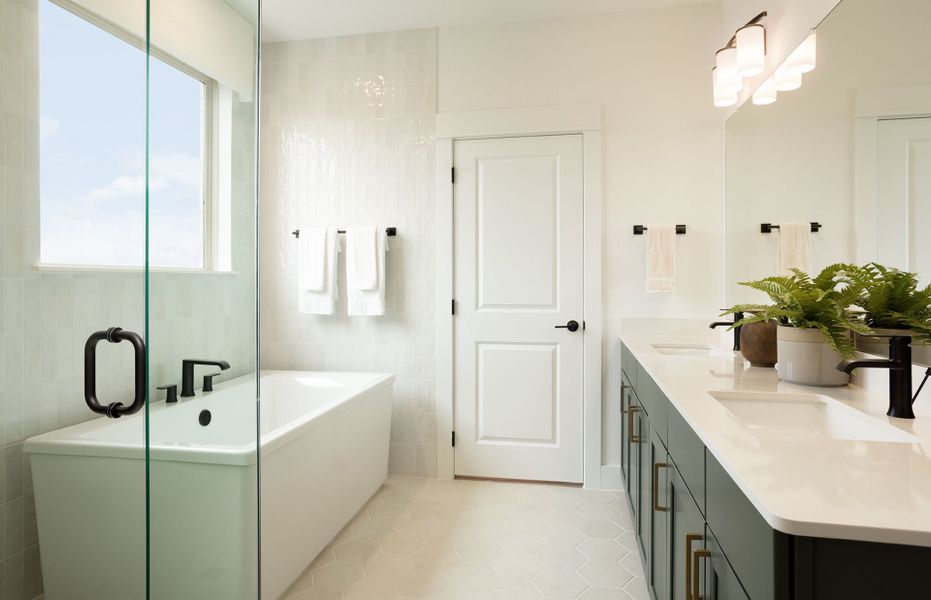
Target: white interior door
<point x="903" y="194"/>
<point x="518" y="275"/>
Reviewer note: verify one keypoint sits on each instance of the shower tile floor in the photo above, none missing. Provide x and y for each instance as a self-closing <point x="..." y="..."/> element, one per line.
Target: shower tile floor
<point x="472" y="540"/>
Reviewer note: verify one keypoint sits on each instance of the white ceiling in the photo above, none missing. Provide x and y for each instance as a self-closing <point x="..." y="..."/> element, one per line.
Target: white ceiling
<point x="302" y="19"/>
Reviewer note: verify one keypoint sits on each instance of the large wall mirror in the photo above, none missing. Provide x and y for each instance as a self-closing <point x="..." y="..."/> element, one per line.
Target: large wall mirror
<point x="850" y="150"/>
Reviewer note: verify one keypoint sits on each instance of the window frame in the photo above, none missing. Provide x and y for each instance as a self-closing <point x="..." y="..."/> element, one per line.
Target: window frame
<point x="210" y="251"/>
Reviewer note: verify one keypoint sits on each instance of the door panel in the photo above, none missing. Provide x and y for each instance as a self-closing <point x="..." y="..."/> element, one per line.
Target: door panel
<point x="720" y="581"/>
<point x="518" y="275"/>
<point x="686" y="528"/>
<point x="658" y="509"/>
<point x="645" y="482"/>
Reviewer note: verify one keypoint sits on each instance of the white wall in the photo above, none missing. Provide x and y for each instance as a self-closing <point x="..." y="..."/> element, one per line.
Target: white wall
<point x="348" y="139"/>
<point x="663" y="141"/>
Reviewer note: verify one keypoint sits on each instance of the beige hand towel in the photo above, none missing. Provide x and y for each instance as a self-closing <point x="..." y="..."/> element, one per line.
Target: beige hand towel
<point x="311" y="259"/>
<point x="361" y="258"/>
<point x="661" y="259"/>
<point x="794" y="247"/>
<point x="363" y="302"/>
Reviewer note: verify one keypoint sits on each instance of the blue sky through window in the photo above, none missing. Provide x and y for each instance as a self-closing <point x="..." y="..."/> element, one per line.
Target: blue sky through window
<point x="92" y="93"/>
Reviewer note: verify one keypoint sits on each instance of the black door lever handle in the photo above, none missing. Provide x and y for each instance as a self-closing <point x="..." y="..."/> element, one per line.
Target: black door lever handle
<point x="571" y="326"/>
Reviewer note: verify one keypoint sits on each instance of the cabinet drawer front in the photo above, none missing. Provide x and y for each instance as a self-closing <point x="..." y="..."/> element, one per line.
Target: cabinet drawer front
<point x="688" y="453"/>
<point x="745" y="538"/>
<point x="654" y="403"/>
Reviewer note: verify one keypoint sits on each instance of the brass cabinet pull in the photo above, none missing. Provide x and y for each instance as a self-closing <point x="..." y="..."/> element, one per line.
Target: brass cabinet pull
<point x="689" y="538"/>
<point x="634" y="439"/>
<point x="656" y="506"/>
<point x="696" y="577"/>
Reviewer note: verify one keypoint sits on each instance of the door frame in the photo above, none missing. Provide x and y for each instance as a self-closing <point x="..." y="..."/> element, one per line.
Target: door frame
<point x="872" y="105"/>
<point x="577" y="119"/>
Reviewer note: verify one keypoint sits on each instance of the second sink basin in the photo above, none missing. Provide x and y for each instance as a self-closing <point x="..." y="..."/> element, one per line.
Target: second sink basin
<point x="807" y="415"/>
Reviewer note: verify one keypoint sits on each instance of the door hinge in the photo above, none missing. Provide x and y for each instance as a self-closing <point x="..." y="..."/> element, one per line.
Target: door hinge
<point x="454" y="439"/>
<point x="452" y="175"/>
<point x="452" y="306"/>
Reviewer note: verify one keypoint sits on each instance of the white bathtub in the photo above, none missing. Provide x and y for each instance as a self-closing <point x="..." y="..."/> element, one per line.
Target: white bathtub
<point x="323" y="453"/>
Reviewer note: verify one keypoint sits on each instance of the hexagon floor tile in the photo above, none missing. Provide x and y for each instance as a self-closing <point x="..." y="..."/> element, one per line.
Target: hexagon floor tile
<point x="429" y="539"/>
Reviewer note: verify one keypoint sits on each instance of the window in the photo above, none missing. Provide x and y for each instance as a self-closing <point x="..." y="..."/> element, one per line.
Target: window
<point x="92" y="99"/>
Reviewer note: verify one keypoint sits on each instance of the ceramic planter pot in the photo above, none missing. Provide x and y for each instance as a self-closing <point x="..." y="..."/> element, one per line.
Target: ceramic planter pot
<point x="805" y="357"/>
<point x="921" y="351"/>
<point x="758" y="343"/>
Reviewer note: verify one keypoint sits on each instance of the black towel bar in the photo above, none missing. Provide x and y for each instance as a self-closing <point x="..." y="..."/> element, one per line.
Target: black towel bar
<point x="639" y="229"/>
<point x="389" y="231"/>
<point x="768" y="227"/>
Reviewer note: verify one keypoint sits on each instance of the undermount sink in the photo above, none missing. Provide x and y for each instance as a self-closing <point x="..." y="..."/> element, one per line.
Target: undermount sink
<point x="686" y="349"/>
<point x="807" y="415"/>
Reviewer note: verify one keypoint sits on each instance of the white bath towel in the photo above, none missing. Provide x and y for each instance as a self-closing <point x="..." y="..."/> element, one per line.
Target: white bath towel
<point x="361" y="258"/>
<point x="661" y="259"/>
<point x="363" y="302"/>
<point x="323" y="301"/>
<point x="311" y="259"/>
<point x="794" y="247"/>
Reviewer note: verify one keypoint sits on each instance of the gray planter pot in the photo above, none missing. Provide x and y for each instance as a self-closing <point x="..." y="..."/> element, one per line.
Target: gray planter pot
<point x="805" y="357"/>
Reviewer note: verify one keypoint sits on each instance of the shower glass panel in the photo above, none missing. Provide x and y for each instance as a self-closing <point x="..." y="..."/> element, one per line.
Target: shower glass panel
<point x="72" y="192"/>
<point x="202" y="317"/>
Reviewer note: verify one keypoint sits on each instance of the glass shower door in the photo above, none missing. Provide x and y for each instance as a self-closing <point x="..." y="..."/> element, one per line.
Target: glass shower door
<point x="201" y="299"/>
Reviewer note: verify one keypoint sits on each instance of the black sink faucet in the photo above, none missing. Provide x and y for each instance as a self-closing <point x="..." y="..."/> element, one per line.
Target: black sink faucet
<point x="900" y="374"/>
<point x="187" y="373"/>
<point x="737" y="317"/>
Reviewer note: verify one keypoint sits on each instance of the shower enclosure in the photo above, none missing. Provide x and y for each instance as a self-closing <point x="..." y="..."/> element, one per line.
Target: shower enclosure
<point x="128" y="299"/>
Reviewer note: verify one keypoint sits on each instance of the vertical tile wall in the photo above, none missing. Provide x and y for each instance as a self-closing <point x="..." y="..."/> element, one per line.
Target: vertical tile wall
<point x="348" y="127"/>
<point x="46" y="316"/>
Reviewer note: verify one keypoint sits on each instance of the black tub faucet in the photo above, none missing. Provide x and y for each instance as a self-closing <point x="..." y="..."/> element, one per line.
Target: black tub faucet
<point x="900" y="374"/>
<point x="737" y="317"/>
<point x="187" y="373"/>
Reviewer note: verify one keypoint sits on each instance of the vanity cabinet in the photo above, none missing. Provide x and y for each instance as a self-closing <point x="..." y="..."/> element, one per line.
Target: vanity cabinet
<point x="700" y="538"/>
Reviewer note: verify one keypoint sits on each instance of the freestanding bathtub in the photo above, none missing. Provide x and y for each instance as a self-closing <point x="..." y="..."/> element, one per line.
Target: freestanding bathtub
<point x="323" y="453"/>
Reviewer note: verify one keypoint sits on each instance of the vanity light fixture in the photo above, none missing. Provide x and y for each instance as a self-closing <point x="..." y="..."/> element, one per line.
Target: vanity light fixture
<point x="787" y="80"/>
<point x="722" y="97"/>
<point x="766" y="93"/>
<point x="804" y="58"/>
<point x="744" y="55"/>
<point x="751" y="50"/>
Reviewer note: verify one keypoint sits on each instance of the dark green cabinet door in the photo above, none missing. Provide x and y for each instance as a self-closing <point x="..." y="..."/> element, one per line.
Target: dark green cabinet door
<point x="645" y="483"/>
<point x="686" y="535"/>
<point x="633" y="461"/>
<point x="719" y="580"/>
<point x="625" y="435"/>
<point x="658" y="508"/>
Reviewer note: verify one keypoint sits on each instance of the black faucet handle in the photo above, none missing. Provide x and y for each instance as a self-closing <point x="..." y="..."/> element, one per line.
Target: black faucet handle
<point x="171" y="392"/>
<point x="208" y="381"/>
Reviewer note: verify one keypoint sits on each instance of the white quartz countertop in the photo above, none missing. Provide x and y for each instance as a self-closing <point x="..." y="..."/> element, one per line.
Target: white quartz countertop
<point x="805" y="485"/>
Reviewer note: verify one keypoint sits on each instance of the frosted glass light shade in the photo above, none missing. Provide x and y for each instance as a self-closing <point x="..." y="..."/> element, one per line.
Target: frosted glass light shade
<point x="751" y="50"/>
<point x="725" y="62"/>
<point x="766" y="93"/>
<point x="722" y="97"/>
<point x="787" y="80"/>
<point x="804" y="58"/>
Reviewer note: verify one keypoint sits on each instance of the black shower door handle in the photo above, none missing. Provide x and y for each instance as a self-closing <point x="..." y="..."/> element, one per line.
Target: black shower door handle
<point x="114" y="335"/>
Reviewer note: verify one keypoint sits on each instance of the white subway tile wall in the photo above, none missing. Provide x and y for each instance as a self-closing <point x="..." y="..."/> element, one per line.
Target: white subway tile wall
<point x="348" y="128"/>
<point x="45" y="317"/>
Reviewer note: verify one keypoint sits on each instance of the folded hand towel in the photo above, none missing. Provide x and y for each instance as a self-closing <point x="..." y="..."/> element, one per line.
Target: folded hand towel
<point x="323" y="301"/>
<point x="311" y="259"/>
<point x="361" y="261"/>
<point x="661" y="258"/>
<point x="369" y="302"/>
<point x="794" y="247"/>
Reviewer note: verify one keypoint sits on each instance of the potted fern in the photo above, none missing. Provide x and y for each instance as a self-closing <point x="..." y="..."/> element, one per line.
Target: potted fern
<point x="813" y="336"/>
<point x="893" y="303"/>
